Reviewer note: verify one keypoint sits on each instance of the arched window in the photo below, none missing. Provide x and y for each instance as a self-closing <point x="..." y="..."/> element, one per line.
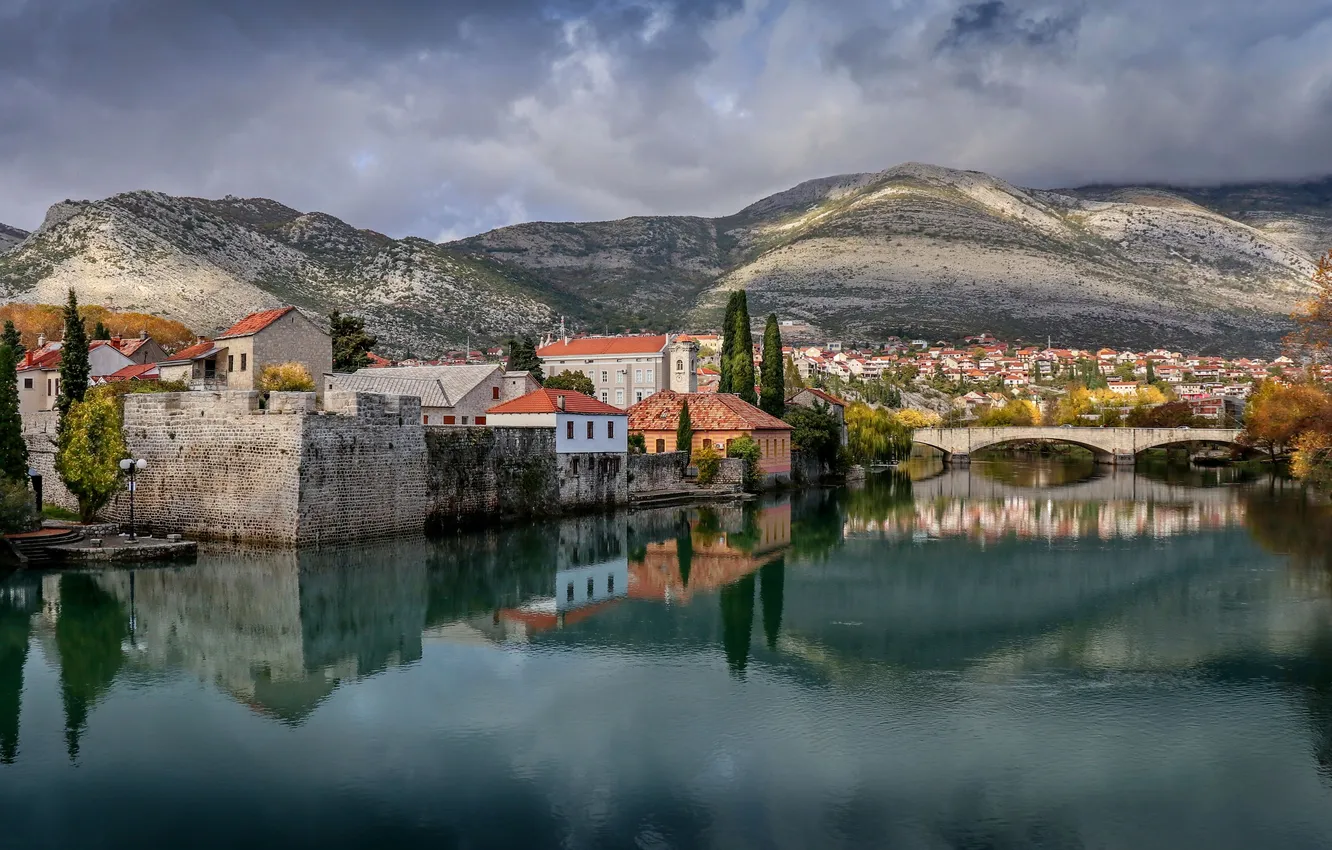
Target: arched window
<point x="679" y="365"/>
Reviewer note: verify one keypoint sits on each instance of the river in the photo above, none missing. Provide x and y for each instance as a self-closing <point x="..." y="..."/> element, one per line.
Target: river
<point x="1022" y="654"/>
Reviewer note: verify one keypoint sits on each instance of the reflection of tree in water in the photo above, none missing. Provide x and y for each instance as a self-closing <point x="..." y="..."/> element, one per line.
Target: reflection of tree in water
<point x="684" y="548"/>
<point x="772" y="587"/>
<point x="1287" y="523"/>
<point x="737" y="610"/>
<point x="88" y="637"/>
<point x="14" y="626"/>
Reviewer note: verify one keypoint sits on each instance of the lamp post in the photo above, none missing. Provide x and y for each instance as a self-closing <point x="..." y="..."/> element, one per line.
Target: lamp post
<point x="131" y="466"/>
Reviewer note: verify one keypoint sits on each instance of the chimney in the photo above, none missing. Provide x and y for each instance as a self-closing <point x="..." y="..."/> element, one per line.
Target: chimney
<point x="559" y="402"/>
<point x="41" y="339"/>
<point x="143" y="334"/>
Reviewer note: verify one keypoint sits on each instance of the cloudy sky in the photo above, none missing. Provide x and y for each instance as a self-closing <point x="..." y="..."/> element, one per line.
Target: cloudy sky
<point x="442" y="118"/>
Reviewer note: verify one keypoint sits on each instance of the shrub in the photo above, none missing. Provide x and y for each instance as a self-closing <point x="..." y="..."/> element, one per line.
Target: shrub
<point x="747" y="450"/>
<point x="708" y="460"/>
<point x="637" y="444"/>
<point x="89" y="451"/>
<point x="286" y="378"/>
<point x="574" y="381"/>
<point x="17" y="511"/>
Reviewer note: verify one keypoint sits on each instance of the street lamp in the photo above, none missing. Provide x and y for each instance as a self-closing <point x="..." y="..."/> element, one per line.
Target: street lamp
<point x="131" y="466"/>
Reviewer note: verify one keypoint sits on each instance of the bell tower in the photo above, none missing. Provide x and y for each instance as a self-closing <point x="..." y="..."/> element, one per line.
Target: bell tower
<point x="682" y="361"/>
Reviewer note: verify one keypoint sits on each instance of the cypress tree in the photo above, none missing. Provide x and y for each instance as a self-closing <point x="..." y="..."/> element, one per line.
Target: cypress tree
<point x="773" y="397"/>
<point x="74" y="366"/>
<point x="728" y="343"/>
<point x="13" y="451"/>
<point x="742" y="359"/>
<point x="100" y="331"/>
<point x="13" y="339"/>
<point x="684" y="432"/>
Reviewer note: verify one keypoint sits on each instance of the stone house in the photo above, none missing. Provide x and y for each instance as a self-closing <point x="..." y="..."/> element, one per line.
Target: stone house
<point x="281" y="335"/>
<point x="140" y="350"/>
<point x="717" y="418"/>
<point x="450" y="395"/>
<point x="626" y="369"/>
<point x="201" y="366"/>
<point x="581" y="423"/>
<point x="813" y="397"/>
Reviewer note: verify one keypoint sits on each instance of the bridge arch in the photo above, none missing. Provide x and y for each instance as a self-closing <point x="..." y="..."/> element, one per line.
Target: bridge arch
<point x="1107" y="445"/>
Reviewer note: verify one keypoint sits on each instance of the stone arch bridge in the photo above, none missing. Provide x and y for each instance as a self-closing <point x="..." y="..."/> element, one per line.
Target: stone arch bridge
<point x="1108" y="445"/>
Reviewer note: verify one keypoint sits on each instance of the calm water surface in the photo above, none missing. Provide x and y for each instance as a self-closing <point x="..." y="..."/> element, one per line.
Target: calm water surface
<point x="1019" y="655"/>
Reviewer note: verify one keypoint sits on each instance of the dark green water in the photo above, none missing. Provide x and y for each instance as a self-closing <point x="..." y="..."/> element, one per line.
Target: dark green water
<point x="1015" y="656"/>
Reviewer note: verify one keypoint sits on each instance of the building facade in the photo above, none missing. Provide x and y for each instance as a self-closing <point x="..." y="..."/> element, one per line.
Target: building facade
<point x="450" y="395"/>
<point x="626" y="369"/>
<point x="717" y="418"/>
<point x="581" y="423"/>
<point x="282" y="335"/>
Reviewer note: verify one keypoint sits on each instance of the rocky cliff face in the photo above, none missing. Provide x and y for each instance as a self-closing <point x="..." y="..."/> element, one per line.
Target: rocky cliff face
<point x="915" y="249"/>
<point x="207" y="262"/>
<point x="10" y="236"/>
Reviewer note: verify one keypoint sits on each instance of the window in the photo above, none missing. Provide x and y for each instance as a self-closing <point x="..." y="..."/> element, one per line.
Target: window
<point x="425" y="420"/>
<point x="610" y="429"/>
<point x="604" y="395"/>
<point x="679" y="365"/>
<point x="27" y="383"/>
<point x="661" y="446"/>
<point x="610" y="583"/>
<point x="603" y="376"/>
<point x="568" y="430"/>
<point x="591" y="434"/>
<point x="638" y="395"/>
<point x="480" y="420"/>
<point x="647" y="375"/>
<point x="591" y="588"/>
<point x="638" y="376"/>
<point x="619" y="376"/>
<point x="231" y="362"/>
<point x="619" y="396"/>
<point x="243" y="356"/>
<point x="494" y="392"/>
<point x="568" y="592"/>
<point x="464" y="420"/>
<point x="449" y="420"/>
<point x="48" y="386"/>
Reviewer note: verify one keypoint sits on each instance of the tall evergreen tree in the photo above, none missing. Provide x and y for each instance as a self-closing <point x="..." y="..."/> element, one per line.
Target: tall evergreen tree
<point x="742" y="359"/>
<point x="13" y="450"/>
<point x="684" y="432"/>
<point x="13" y="339"/>
<point x="724" y="385"/>
<point x="351" y="344"/>
<point x="773" y="396"/>
<point x="100" y="331"/>
<point x="74" y="368"/>
<point x="523" y="358"/>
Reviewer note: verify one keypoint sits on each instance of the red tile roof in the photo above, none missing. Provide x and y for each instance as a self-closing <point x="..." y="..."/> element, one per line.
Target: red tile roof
<point x="45" y="358"/>
<point x="546" y="401"/>
<point x="135" y="373"/>
<point x="818" y="393"/>
<point x="255" y="322"/>
<point x="191" y="353"/>
<point x="707" y="412"/>
<point x="594" y="345"/>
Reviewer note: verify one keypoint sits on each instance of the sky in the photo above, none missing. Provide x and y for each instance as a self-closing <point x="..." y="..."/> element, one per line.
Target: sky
<point x="445" y="118"/>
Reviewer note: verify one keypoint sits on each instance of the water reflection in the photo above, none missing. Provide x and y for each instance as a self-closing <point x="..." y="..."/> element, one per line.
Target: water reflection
<point x="972" y="658"/>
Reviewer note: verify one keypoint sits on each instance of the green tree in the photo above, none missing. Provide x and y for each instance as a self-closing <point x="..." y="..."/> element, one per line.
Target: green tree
<point x="773" y="398"/>
<point x="772" y="590"/>
<point x="13" y="450"/>
<point x="100" y="331"/>
<point x="523" y="358"/>
<point x="791" y="376"/>
<point x="74" y="368"/>
<point x="571" y="380"/>
<point x="742" y="357"/>
<point x="744" y="448"/>
<point x="351" y="344"/>
<point x="13" y="339"/>
<point x="816" y="431"/>
<point x="724" y="361"/>
<point x="737" y="611"/>
<point x="684" y="432"/>
<point x="1151" y="372"/>
<point x="88" y="452"/>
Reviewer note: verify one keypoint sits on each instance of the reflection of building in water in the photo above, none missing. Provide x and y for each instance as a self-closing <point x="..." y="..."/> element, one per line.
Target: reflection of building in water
<point x="281" y="631"/>
<point x="1035" y="518"/>
<point x="704" y="557"/>
<point x="19" y="600"/>
<point x="579" y="592"/>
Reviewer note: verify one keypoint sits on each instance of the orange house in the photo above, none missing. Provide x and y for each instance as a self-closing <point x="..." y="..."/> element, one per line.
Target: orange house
<point x="717" y="418"/>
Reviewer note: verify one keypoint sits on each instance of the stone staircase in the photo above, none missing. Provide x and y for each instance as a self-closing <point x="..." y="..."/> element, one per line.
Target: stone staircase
<point x="33" y="546"/>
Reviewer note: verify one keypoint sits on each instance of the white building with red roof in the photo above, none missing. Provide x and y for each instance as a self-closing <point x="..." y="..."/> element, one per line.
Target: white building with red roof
<point x="38" y="373"/>
<point x="581" y="423"/>
<point x="626" y="369"/>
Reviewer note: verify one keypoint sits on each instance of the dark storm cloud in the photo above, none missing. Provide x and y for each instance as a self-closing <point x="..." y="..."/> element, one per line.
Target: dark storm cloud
<point x="444" y="118"/>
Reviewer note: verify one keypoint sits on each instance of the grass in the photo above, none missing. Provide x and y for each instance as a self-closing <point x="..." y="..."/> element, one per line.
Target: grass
<point x="57" y="512"/>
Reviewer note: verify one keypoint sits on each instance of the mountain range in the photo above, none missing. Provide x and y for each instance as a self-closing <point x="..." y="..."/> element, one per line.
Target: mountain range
<point x="916" y="249"/>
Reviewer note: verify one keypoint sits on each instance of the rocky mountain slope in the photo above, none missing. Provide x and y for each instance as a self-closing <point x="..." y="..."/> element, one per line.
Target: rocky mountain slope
<point x="10" y="236"/>
<point x="933" y="251"/>
<point x="208" y="262"/>
<point x="915" y="249"/>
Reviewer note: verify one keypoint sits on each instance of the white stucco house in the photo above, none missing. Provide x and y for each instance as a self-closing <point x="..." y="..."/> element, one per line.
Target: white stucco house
<point x="581" y="423"/>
